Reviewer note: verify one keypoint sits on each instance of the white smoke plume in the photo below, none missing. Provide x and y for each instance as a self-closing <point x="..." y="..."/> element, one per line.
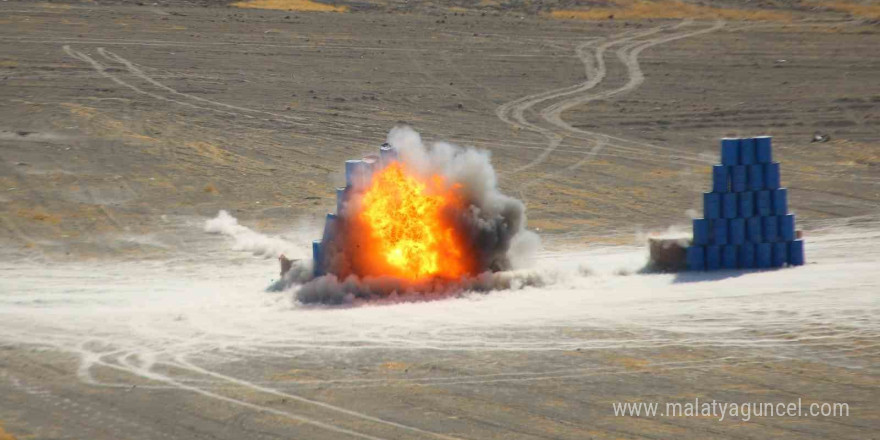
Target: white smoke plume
<point x="246" y="239"/>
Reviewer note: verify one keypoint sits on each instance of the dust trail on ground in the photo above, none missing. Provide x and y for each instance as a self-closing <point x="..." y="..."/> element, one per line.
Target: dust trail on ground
<point x="246" y="239"/>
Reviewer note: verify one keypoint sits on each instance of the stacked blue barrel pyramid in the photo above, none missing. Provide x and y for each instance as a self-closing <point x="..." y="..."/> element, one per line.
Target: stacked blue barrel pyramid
<point x="746" y="221"/>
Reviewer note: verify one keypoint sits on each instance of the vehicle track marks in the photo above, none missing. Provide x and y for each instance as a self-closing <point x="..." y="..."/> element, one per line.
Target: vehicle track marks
<point x="137" y="71"/>
<point x="552" y="114"/>
<point x="102" y="69"/>
<point x="181" y="362"/>
<point x="513" y="113"/>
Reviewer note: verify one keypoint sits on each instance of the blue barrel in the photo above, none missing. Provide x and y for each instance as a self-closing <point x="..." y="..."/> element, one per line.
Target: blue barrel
<point x="719" y="231"/>
<point x="736" y="231"/>
<point x="780" y="201"/>
<point x="796" y="253"/>
<point x="729" y="205"/>
<point x="696" y="258"/>
<point x="341" y="199"/>
<point x="729" y="257"/>
<point x="764" y="149"/>
<point x="771" y="175"/>
<point x="763" y="255"/>
<point x="720" y="178"/>
<point x="747" y="255"/>
<point x="786" y="227"/>
<point x="746" y="204"/>
<point x="763" y="203"/>
<point x="713" y="257"/>
<point x="770" y="228"/>
<point x="317" y="258"/>
<point x="780" y="254"/>
<point x="738" y="178"/>
<point x="756" y="177"/>
<point x="754" y="230"/>
<point x="701" y="231"/>
<point x="712" y="205"/>
<point x="331" y="226"/>
<point x="353" y="172"/>
<point x="730" y="151"/>
<point x="746" y="151"/>
<point x="387" y="154"/>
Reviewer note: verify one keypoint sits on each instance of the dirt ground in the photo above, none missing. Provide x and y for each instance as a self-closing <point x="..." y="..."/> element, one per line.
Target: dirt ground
<point x="124" y="124"/>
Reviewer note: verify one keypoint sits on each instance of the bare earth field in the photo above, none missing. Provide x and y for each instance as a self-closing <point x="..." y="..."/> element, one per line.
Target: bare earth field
<point x="123" y="127"/>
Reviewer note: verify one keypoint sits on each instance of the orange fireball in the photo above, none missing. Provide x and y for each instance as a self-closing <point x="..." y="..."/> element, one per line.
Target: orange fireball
<point x="410" y="234"/>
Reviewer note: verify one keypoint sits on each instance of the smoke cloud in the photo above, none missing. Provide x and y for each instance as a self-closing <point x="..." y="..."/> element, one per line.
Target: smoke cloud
<point x="246" y="239"/>
<point x="329" y="289"/>
<point x="491" y="226"/>
<point x="494" y="222"/>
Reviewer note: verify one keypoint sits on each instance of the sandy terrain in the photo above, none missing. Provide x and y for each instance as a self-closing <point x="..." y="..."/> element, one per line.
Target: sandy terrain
<point x="123" y="127"/>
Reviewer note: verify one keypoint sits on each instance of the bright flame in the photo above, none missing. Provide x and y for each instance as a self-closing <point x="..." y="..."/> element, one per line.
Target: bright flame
<point x="409" y="235"/>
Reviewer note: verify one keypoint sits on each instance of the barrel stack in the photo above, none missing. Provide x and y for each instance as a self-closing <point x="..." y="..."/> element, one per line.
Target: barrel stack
<point x="358" y="174"/>
<point x="746" y="223"/>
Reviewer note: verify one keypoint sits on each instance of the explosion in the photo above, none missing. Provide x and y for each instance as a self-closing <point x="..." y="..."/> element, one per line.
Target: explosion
<point x="416" y="220"/>
<point x="410" y="237"/>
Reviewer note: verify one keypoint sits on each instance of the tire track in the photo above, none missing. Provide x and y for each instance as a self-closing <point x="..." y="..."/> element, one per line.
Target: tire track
<point x="552" y="114"/>
<point x="628" y="55"/>
<point x="513" y="113"/>
<point x="124" y="364"/>
<point x="141" y="363"/>
<point x="244" y="111"/>
<point x="357" y="141"/>
<point x="134" y="69"/>
<point x="102" y="69"/>
<point x="149" y="374"/>
<point x="181" y="362"/>
<point x="233" y="110"/>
